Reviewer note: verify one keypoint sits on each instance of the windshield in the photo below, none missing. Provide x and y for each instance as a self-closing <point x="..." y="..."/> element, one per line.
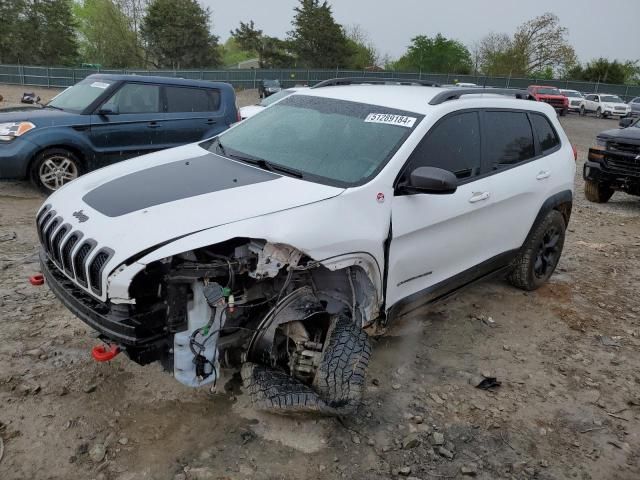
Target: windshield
<point x="611" y="99"/>
<point x="549" y="91"/>
<point x="571" y="94"/>
<point x="271" y="83"/>
<point x="275" y="97"/>
<point x="331" y="141"/>
<point x="81" y="95"/>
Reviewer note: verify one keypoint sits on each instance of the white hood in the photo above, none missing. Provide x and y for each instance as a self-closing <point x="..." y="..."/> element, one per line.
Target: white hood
<point x="139" y="204"/>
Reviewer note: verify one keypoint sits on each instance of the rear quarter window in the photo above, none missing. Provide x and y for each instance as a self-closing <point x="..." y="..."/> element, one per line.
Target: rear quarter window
<point x="185" y="99"/>
<point x="545" y="132"/>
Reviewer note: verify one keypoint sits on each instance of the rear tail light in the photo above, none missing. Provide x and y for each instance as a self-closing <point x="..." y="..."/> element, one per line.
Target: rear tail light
<point x="575" y="153"/>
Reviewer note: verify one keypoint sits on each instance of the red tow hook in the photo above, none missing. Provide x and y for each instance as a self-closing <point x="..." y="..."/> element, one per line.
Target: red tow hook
<point x="104" y="353"/>
<point x="36" y="280"/>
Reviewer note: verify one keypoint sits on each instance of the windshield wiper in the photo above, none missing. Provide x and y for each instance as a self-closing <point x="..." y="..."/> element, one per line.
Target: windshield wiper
<point x="220" y="146"/>
<point x="267" y="165"/>
<point x="52" y="106"/>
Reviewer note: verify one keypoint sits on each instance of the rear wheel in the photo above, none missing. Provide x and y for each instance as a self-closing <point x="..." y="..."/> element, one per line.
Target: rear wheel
<point x="54" y="168"/>
<point x="583" y="111"/>
<point x="540" y="254"/>
<point x="597" y="192"/>
<point x="599" y="113"/>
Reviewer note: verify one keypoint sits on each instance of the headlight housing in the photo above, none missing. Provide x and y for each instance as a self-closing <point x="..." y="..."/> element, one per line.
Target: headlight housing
<point x="9" y="131"/>
<point x="600" y="142"/>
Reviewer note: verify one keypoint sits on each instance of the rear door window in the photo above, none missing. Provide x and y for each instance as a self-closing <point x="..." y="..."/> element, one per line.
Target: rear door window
<point x="508" y="138"/>
<point x="547" y="136"/>
<point x="185" y="99"/>
<point x="452" y="144"/>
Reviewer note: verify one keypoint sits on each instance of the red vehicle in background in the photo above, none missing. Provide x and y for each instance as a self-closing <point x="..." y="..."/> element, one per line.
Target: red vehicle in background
<point x="552" y="96"/>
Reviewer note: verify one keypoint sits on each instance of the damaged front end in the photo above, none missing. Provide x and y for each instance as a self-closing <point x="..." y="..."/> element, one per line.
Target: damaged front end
<point x="243" y="300"/>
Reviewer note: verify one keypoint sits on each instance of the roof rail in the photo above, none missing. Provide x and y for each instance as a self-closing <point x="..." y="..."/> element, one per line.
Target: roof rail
<point x="372" y="81"/>
<point x="455" y="94"/>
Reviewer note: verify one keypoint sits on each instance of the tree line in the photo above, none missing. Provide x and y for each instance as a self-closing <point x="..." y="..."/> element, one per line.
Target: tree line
<point x="176" y="34"/>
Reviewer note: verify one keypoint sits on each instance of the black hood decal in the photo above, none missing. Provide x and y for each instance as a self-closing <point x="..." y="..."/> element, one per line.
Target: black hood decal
<point x="172" y="181"/>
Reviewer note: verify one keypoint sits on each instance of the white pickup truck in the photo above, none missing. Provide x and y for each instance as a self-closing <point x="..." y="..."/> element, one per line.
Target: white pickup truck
<point x="604" y="105"/>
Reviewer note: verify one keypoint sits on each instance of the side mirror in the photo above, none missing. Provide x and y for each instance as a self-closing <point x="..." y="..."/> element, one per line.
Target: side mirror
<point x="430" y="180"/>
<point x="625" y="122"/>
<point x="108" y="109"/>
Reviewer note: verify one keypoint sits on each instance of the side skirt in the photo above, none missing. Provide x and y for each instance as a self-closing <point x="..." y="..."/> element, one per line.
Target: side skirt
<point x="489" y="268"/>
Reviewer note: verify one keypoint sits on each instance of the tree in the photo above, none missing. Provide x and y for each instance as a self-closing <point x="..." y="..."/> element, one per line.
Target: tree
<point x="605" y="71"/>
<point x="176" y="34"/>
<point x="435" y="55"/>
<point x="271" y="52"/>
<point x="364" y="51"/>
<point x="316" y="38"/>
<point x="41" y="32"/>
<point x="542" y="43"/>
<point x="12" y="35"/>
<point x="106" y="36"/>
<point x="537" y="46"/>
<point x="232" y="54"/>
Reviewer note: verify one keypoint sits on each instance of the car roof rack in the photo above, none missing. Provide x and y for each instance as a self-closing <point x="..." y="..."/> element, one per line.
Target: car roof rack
<point x="373" y="81"/>
<point x="456" y="93"/>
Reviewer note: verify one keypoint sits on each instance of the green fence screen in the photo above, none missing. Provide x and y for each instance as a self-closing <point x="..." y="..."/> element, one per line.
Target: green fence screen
<point x="242" y="79"/>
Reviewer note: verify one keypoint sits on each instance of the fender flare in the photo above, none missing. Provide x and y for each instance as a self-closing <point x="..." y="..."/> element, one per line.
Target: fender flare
<point x="561" y="201"/>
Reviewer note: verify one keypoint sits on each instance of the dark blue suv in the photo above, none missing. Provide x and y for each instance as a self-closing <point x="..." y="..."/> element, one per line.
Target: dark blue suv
<point x="108" y="118"/>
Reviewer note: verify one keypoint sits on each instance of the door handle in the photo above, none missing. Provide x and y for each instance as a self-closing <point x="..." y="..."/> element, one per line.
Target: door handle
<point x="153" y="125"/>
<point x="211" y="121"/>
<point x="479" y="196"/>
<point x="543" y="174"/>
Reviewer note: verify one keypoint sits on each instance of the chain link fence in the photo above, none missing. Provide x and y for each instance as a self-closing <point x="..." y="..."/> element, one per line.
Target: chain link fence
<point x="243" y="79"/>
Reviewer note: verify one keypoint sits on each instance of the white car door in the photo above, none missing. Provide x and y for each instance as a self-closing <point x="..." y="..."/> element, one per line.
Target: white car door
<point x="437" y="237"/>
<point x="522" y="173"/>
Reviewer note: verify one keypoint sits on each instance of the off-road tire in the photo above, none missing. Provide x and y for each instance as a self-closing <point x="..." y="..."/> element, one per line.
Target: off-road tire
<point x="523" y="273"/>
<point x="597" y="192"/>
<point x="277" y="392"/>
<point x="337" y="387"/>
<point x="340" y="378"/>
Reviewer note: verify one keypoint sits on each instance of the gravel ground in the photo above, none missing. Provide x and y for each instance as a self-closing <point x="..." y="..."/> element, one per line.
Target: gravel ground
<point x="567" y="356"/>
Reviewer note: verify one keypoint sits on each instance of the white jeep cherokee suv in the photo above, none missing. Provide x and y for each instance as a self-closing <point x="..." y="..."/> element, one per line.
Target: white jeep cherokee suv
<point x="276" y="244"/>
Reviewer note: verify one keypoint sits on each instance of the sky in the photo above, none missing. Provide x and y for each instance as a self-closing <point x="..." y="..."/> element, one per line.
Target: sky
<point x="597" y="28"/>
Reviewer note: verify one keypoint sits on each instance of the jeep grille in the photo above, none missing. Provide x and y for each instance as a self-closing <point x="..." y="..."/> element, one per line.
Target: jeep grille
<point x="79" y="258"/>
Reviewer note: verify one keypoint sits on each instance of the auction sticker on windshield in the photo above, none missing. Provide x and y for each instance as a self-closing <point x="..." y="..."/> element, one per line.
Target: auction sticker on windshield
<point x="100" y="85"/>
<point x="389" y="119"/>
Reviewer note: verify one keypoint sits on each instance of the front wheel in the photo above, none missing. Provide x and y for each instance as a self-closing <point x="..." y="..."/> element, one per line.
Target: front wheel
<point x="597" y="192"/>
<point x="337" y="385"/>
<point x="599" y="113"/>
<point x="540" y="254"/>
<point x="563" y="112"/>
<point x="54" y="168"/>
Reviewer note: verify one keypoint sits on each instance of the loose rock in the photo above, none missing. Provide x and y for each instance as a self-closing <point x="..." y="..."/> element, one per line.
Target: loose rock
<point x="98" y="452"/>
<point x="437" y="438"/>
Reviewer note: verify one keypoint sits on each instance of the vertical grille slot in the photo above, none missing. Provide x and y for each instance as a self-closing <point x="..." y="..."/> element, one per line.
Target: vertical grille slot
<point x="49" y="232"/>
<point x="57" y="239"/>
<point x="95" y="270"/>
<point x="78" y="262"/>
<point x="66" y="252"/>
<point x="42" y="225"/>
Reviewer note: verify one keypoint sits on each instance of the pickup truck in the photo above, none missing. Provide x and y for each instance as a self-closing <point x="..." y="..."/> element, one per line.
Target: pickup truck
<point x="550" y="95"/>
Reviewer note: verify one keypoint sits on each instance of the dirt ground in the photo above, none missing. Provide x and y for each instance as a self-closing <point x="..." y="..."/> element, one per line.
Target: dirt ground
<point x="567" y="357"/>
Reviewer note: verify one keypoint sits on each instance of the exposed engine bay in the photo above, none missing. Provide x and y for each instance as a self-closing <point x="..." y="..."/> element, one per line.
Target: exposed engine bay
<point x="248" y="300"/>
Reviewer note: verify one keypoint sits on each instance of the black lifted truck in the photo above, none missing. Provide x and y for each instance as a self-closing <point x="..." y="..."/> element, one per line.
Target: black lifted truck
<point x="614" y="163"/>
